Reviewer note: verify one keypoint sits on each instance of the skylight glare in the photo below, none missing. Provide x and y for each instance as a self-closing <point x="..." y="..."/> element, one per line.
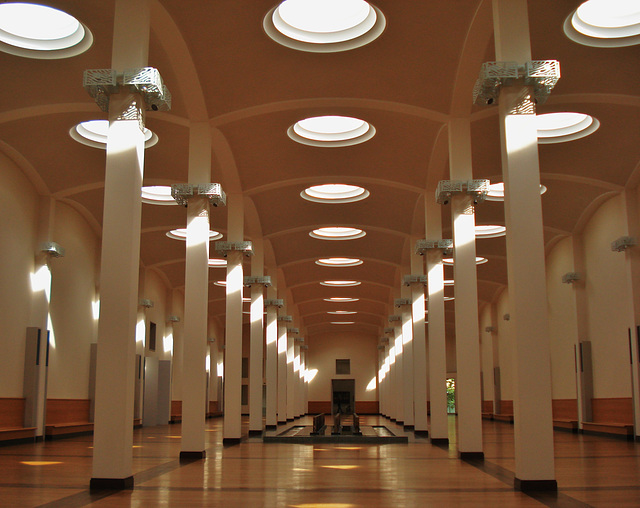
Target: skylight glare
<point x="181" y="234"/>
<point x="324" y="25"/>
<point x="94" y="133"/>
<point x="334" y="193"/>
<point x="566" y="126"/>
<point x="342" y="312"/>
<point x="337" y="233"/>
<point x="38" y="31"/>
<point x="340" y="299"/>
<point x="158" y="195"/>
<point x="341" y="283"/>
<point x="343" y="322"/>
<point x="339" y="262"/>
<point x="331" y="131"/>
<point x="496" y="191"/>
<point x="479" y="261"/>
<point x="217" y="263"/>
<point x="490" y="231"/>
<point x="605" y="23"/>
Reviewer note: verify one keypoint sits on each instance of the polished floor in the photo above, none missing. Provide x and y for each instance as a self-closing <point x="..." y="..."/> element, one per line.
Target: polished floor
<point x="590" y="470"/>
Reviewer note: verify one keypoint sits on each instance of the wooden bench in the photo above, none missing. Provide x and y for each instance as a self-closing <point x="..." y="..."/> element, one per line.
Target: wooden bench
<point x="318" y="424"/>
<point x="565" y="414"/>
<point x="12" y="420"/>
<point x="487" y="409"/>
<point x="176" y="411"/>
<point x="506" y="412"/>
<point x="613" y="416"/>
<point x="67" y="417"/>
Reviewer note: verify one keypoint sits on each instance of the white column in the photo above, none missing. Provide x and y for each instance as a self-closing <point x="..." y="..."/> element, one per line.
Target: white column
<point x="439" y="421"/>
<point x="533" y="421"/>
<point x="407" y="354"/>
<point x="256" y="348"/>
<point x="115" y="369"/>
<point x="282" y="372"/>
<point x="271" y="365"/>
<point x="232" y="431"/>
<point x="213" y="374"/>
<point x="399" y="371"/>
<point x="291" y="385"/>
<point x="196" y="299"/>
<point x="468" y="393"/>
<point x="388" y="380"/>
<point x="297" y="365"/>
<point x="420" y="371"/>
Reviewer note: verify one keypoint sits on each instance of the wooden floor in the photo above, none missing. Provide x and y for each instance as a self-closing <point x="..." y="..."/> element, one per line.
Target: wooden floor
<point x="590" y="470"/>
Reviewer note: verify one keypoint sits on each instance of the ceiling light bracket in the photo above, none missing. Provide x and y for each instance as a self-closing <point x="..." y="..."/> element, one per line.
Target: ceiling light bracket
<point x="490" y="329"/>
<point x="623" y="243"/>
<point x="146" y="303"/>
<point x="52" y="249"/>
<point x="250" y="280"/>
<point x="275" y="302"/>
<point x="446" y="246"/>
<point x="146" y="81"/>
<point x="478" y="189"/>
<point x="223" y="248"/>
<point x="174" y="319"/>
<point x="182" y="192"/>
<point x="542" y="75"/>
<point x="415" y="279"/>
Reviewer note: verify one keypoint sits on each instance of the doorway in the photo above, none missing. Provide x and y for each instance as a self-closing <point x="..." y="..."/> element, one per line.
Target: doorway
<point x="343" y="396"/>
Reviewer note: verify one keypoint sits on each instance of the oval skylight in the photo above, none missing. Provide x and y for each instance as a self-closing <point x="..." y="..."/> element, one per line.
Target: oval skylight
<point x="490" y="231"/>
<point x="38" y="31"/>
<point x="449" y="283"/>
<point x="158" y="195"/>
<point x="343" y="322"/>
<point x="324" y="26"/>
<point x="217" y="263"/>
<point x="340" y="299"/>
<point x="334" y="193"/>
<point x="181" y="234"/>
<point x="496" y="191"/>
<point x="479" y="261"/>
<point x="342" y="312"/>
<point x="339" y="262"/>
<point x="331" y="131"/>
<point x="94" y="133"/>
<point x="221" y="283"/>
<point x="561" y="127"/>
<point x="605" y="23"/>
<point x="341" y="283"/>
<point x="337" y="233"/>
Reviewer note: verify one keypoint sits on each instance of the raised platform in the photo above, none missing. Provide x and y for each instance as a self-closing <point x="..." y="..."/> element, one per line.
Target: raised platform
<point x="301" y="434"/>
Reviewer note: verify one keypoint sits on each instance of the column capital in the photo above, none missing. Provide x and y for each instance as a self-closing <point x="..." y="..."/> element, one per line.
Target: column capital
<point x="251" y="280"/>
<point x="146" y="81"/>
<point x="542" y="75"/>
<point x="52" y="249"/>
<point x="400" y="302"/>
<point x="478" y="189"/>
<point x="224" y="248"/>
<point x="623" y="243"/>
<point x="295" y="331"/>
<point x="415" y="279"/>
<point x="285" y="319"/>
<point x="182" y="192"/>
<point x="394" y="318"/>
<point x="423" y="246"/>
<point x="389" y="329"/>
<point x="274" y="302"/>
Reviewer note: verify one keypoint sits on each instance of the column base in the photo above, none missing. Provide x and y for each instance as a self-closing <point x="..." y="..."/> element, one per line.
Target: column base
<point x="400" y="422"/>
<point x="290" y="419"/>
<point x="421" y="433"/>
<point x="471" y="455"/>
<point x="254" y="433"/>
<point x="282" y="422"/>
<point x="230" y="441"/>
<point x="111" y="484"/>
<point x="192" y="456"/>
<point x="440" y="441"/>
<point x="535" y="485"/>
<point x="271" y="427"/>
<point x="409" y="427"/>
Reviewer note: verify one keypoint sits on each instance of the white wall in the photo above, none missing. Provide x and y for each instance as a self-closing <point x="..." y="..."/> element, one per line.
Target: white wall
<point x="607" y="292"/>
<point x="19" y="212"/>
<point x="563" y="331"/>
<point x="323" y="351"/>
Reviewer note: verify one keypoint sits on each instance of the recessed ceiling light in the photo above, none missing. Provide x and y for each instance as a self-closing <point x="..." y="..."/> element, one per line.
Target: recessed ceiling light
<point x="334" y="193"/>
<point x="562" y="127"/>
<point x="337" y="233"/>
<point x="331" y="131"/>
<point x="158" y="195"/>
<point x="340" y="299"/>
<point x="605" y="23"/>
<point x="36" y="31"/>
<point x="181" y="234"/>
<point x="339" y="262"/>
<point x="324" y="26"/>
<point x="217" y="263"/>
<point x="479" y="261"/>
<point x="448" y="282"/>
<point x="341" y="283"/>
<point x="342" y="312"/>
<point x="343" y="322"/>
<point x="496" y="191"/>
<point x="221" y="283"/>
<point x="449" y="298"/>
<point x="490" y="231"/>
<point x="94" y="133"/>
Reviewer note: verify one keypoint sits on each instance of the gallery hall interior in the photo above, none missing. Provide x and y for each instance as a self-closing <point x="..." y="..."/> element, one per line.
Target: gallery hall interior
<point x="320" y="253"/>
